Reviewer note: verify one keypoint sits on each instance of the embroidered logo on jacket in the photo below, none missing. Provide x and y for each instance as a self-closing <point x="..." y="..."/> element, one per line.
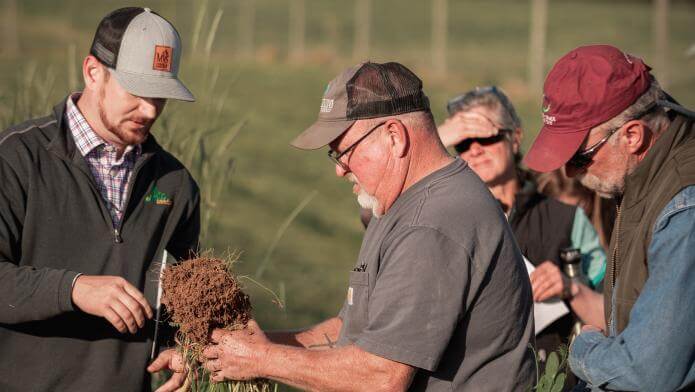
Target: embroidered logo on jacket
<point x="158" y="198"/>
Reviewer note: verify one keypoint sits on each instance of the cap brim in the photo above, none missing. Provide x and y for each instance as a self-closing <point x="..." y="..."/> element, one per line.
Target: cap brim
<point x="149" y="86"/>
<point x="321" y="133"/>
<point x="551" y="150"/>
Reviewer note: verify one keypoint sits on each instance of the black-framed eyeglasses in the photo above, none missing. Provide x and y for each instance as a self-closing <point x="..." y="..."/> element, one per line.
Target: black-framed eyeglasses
<point x="334" y="156"/>
<point x="466" y="144"/>
<point x="583" y="158"/>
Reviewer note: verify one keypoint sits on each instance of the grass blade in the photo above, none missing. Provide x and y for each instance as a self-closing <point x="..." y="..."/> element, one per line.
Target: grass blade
<point x="281" y="231"/>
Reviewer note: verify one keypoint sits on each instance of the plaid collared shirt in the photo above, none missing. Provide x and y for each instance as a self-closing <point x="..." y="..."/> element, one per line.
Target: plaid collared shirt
<point x="110" y="172"/>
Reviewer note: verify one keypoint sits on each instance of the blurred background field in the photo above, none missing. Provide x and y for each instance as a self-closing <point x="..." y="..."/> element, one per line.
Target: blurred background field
<point x="258" y="69"/>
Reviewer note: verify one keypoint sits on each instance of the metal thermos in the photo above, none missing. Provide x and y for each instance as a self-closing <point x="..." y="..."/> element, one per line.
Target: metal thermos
<point x="571" y="259"/>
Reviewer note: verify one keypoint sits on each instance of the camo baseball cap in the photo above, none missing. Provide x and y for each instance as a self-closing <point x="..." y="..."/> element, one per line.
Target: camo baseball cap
<point x="142" y="51"/>
<point x="367" y="90"/>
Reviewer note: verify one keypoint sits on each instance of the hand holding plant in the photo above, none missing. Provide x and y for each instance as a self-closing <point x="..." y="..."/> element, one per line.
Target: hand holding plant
<point x="236" y="355"/>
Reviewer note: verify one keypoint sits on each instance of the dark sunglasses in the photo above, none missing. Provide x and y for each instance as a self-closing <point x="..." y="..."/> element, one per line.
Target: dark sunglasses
<point x="583" y="158"/>
<point x="466" y="144"/>
<point x="580" y="159"/>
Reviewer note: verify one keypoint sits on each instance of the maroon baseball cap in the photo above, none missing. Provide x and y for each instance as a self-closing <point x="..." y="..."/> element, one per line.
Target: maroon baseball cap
<point x="586" y="87"/>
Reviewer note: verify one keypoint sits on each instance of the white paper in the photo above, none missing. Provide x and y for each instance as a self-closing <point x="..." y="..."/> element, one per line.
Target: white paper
<point x="546" y="312"/>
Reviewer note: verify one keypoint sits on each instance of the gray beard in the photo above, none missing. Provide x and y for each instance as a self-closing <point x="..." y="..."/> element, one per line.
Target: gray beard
<point x="364" y="199"/>
<point x="603" y="188"/>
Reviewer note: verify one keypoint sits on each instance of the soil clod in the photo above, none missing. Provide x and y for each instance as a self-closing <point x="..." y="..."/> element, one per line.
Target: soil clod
<point x="201" y="295"/>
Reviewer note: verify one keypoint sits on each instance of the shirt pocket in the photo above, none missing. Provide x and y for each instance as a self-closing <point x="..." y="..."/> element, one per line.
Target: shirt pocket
<point x="357" y="303"/>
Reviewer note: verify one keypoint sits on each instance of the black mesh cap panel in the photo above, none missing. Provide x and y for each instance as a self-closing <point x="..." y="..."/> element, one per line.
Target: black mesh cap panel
<point x="107" y="40"/>
<point x="379" y="90"/>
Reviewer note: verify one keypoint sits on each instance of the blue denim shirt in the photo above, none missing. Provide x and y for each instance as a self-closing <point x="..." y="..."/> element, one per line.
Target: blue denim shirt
<point x="656" y="351"/>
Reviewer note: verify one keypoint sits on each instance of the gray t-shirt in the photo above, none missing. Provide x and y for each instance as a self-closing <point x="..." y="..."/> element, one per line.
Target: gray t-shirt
<point x="440" y="285"/>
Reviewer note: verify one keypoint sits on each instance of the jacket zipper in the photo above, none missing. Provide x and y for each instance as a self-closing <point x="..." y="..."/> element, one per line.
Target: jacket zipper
<point x="614" y="255"/>
<point x="117" y="238"/>
<point x="614" y="258"/>
<point x="116" y="232"/>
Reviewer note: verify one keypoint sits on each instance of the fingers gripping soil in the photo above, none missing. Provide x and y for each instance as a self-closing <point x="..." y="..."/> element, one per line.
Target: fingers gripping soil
<point x="114" y="299"/>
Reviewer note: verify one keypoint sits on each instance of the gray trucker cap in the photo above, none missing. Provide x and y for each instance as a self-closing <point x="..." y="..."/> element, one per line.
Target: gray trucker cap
<point x="142" y="51"/>
<point x="367" y="90"/>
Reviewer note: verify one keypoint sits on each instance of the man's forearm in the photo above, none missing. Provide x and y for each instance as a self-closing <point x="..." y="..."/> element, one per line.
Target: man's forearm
<point x="30" y="294"/>
<point x="601" y="360"/>
<point x="324" y="334"/>
<point x="340" y="369"/>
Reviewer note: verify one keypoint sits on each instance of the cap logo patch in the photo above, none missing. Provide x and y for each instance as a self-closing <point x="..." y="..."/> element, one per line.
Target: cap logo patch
<point x="326" y="105"/>
<point x="162" y="58"/>
<point x="547" y="119"/>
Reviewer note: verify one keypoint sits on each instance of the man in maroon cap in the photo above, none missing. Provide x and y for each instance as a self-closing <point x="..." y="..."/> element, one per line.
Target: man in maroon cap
<point x="611" y="125"/>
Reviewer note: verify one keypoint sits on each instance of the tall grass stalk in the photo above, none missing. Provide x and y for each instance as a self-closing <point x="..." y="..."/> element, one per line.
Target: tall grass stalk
<point x="281" y="231"/>
<point x="198" y="24"/>
<point x="205" y="148"/>
<point x="213" y="32"/>
<point x="30" y="96"/>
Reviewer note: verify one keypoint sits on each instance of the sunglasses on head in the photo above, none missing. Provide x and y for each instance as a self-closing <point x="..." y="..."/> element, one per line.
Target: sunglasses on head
<point x="455" y="104"/>
<point x="466" y="144"/>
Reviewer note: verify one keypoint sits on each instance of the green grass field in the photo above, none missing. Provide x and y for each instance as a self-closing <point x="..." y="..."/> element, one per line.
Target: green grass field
<point x="488" y="43"/>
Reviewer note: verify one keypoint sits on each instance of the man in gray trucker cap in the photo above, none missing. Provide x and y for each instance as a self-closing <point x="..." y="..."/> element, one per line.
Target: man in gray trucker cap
<point x="89" y="201"/>
<point x="439" y="299"/>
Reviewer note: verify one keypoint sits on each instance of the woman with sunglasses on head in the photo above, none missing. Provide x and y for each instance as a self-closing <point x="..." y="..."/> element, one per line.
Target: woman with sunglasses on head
<point x="485" y="131"/>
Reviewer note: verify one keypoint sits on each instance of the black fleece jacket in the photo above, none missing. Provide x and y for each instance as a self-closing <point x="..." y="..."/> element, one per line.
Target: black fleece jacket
<point x="53" y="225"/>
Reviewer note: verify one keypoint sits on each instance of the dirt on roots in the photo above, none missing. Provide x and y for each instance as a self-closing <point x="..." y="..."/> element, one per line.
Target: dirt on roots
<point x="201" y="295"/>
